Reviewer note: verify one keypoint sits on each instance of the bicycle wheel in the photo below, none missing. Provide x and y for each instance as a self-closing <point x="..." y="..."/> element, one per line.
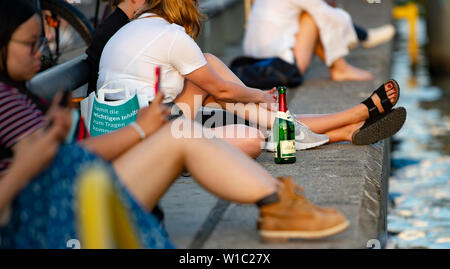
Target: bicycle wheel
<point x="68" y="32"/>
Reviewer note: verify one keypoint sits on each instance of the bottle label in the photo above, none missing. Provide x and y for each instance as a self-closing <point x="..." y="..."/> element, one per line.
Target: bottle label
<point x="287" y="148"/>
<point x="284" y="115"/>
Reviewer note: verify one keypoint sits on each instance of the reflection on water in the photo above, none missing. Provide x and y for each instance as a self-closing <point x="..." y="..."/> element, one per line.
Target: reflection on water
<point x="419" y="187"/>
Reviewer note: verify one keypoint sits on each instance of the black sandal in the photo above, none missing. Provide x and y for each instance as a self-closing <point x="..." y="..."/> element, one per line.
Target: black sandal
<point x="380" y="125"/>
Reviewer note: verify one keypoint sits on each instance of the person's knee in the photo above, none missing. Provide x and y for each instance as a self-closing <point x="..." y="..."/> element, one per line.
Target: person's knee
<point x="305" y="16"/>
<point x="254" y="142"/>
<point x="209" y="57"/>
<point x="183" y="129"/>
<point x="256" y="147"/>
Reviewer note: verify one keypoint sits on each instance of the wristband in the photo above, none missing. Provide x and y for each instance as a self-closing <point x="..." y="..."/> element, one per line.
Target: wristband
<point x="138" y="130"/>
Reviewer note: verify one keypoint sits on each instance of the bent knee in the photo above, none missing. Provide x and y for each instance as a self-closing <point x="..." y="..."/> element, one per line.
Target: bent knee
<point x="209" y="57"/>
<point x="182" y="128"/>
<point x="306" y="16"/>
<point x="252" y="142"/>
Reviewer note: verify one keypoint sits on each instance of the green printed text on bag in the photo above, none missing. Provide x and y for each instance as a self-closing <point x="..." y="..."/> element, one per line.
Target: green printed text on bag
<point x="107" y="118"/>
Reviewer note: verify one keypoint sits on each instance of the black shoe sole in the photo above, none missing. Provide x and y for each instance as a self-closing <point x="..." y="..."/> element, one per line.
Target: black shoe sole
<point x="382" y="128"/>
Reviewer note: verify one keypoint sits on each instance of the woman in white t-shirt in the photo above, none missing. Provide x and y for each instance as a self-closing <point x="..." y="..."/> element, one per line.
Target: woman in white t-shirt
<point x="160" y="36"/>
<point x="296" y="29"/>
<point x="130" y="57"/>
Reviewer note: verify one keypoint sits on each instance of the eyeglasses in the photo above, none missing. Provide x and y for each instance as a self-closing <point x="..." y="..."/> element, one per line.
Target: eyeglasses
<point x="36" y="46"/>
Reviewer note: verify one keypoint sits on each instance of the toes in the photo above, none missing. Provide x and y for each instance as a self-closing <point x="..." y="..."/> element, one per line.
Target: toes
<point x="391" y="91"/>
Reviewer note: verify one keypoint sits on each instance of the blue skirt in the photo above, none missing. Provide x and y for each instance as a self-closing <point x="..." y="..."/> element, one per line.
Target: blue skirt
<point x="43" y="214"/>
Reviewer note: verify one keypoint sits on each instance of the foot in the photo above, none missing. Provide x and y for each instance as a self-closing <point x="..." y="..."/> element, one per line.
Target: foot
<point x="297" y="192"/>
<point x="391" y="92"/>
<point x="346" y="72"/>
<point x="378" y="36"/>
<point x="304" y="137"/>
<point x="293" y="217"/>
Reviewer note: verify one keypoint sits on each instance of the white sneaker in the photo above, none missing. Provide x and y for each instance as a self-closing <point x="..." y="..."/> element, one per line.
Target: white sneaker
<point x="378" y="36"/>
<point x="304" y="138"/>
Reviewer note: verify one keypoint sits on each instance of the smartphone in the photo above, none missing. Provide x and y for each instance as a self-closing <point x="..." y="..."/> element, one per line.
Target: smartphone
<point x="65" y="99"/>
<point x="158" y="79"/>
<point x="63" y="103"/>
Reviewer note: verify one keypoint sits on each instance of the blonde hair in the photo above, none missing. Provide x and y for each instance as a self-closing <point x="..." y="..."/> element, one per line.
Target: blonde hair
<point x="181" y="12"/>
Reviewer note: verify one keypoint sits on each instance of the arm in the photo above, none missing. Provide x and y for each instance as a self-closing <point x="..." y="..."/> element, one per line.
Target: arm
<point x="12" y="183"/>
<point x="112" y="145"/>
<point x="25" y="166"/>
<point x="207" y="79"/>
<point x="210" y="74"/>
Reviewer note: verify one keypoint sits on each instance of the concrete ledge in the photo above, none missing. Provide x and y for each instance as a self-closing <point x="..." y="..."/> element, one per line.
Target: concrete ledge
<point x="350" y="178"/>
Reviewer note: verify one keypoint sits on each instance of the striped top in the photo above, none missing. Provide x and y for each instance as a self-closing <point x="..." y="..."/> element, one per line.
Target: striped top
<point x="18" y="117"/>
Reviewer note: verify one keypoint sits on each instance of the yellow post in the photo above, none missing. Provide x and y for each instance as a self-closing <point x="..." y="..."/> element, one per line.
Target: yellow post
<point x="410" y="12"/>
<point x="103" y="221"/>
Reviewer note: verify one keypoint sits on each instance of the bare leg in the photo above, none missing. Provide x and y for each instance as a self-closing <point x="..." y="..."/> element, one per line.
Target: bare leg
<point x="245" y="138"/>
<point x="263" y="118"/>
<point x="149" y="169"/>
<point x="344" y="133"/>
<point x="324" y="123"/>
<point x="250" y="143"/>
<point x="342" y="71"/>
<point x="307" y="41"/>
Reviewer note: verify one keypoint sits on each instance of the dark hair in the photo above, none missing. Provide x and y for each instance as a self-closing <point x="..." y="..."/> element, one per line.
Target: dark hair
<point x="12" y="15"/>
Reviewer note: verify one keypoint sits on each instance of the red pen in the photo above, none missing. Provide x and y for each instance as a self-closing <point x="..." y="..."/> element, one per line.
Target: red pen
<point x="157" y="76"/>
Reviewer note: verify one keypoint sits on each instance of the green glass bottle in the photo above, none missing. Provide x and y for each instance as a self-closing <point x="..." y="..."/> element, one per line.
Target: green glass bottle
<point x="284" y="132"/>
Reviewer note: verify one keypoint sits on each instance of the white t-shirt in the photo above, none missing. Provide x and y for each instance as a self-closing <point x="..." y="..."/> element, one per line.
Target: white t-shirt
<point x="272" y="26"/>
<point x="130" y="57"/>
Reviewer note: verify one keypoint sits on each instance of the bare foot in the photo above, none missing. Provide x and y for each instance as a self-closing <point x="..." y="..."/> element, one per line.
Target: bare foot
<point x="344" y="72"/>
<point x="392" y="94"/>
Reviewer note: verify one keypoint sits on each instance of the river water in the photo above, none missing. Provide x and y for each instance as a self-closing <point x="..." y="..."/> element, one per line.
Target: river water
<point x="419" y="187"/>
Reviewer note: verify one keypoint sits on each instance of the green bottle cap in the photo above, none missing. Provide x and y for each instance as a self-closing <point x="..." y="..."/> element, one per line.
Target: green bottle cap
<point x="281" y="89"/>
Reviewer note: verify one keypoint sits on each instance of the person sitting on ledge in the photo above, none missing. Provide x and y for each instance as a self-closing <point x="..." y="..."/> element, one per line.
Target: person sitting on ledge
<point x="162" y="35"/>
<point x="294" y="30"/>
<point x="124" y="11"/>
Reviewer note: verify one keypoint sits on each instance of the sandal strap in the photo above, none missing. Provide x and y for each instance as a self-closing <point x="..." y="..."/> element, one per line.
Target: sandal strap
<point x="373" y="110"/>
<point x="385" y="102"/>
<point x="371" y="121"/>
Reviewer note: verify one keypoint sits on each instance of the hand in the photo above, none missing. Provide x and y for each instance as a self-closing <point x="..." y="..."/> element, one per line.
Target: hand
<point x="61" y="114"/>
<point x="269" y="99"/>
<point x="33" y="153"/>
<point x="153" y="117"/>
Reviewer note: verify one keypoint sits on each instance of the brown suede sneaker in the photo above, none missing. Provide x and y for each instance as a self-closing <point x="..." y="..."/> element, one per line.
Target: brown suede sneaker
<point x="294" y="217"/>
